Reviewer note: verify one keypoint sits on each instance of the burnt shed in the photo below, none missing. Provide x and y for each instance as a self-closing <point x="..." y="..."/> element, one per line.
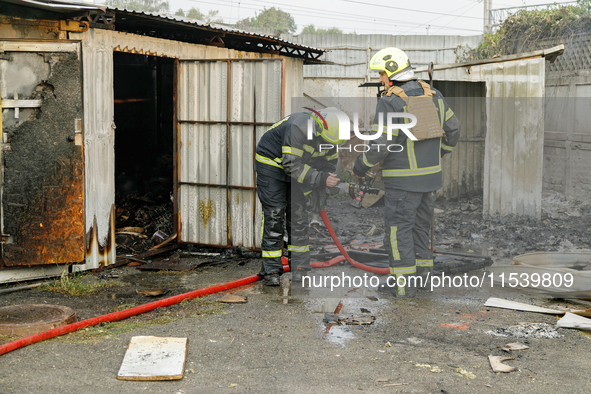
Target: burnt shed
<point x="110" y="115"/>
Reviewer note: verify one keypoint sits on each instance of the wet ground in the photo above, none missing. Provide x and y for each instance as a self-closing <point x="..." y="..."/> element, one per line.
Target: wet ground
<point x="437" y="343"/>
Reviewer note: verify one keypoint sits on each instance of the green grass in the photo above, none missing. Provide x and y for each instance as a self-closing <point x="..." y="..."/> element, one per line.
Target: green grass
<point x="74" y="285"/>
<point x="195" y="308"/>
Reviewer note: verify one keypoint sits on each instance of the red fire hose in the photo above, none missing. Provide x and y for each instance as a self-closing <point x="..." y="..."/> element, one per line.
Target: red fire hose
<point x="115" y="316"/>
<point x="344" y="256"/>
<point x="10" y="346"/>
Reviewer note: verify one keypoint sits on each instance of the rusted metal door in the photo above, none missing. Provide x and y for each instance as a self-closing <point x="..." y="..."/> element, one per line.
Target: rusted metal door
<point x="224" y="107"/>
<point x="42" y="201"/>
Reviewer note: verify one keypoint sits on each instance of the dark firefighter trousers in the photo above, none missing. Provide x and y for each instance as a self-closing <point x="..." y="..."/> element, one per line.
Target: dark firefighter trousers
<point x="284" y="204"/>
<point x="407" y="233"/>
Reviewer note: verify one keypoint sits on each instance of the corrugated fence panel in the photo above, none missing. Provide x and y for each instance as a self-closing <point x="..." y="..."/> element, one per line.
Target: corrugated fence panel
<point x="203" y="152"/>
<point x="256" y="98"/>
<point x="268" y="91"/>
<point x="350" y="52"/>
<point x="515" y="137"/>
<point x="99" y="151"/>
<point x="204" y="215"/>
<point x="463" y="169"/>
<point x="204" y="91"/>
<point x="514" y="133"/>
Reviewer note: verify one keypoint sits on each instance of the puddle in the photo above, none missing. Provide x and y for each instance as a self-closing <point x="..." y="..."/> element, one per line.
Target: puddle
<point x="339" y="335"/>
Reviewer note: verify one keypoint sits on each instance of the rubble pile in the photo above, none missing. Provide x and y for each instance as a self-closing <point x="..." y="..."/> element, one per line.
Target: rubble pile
<point x="141" y="223"/>
<point x="565" y="226"/>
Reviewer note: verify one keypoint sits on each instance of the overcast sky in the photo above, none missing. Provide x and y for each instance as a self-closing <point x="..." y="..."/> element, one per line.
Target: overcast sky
<point x="441" y="17"/>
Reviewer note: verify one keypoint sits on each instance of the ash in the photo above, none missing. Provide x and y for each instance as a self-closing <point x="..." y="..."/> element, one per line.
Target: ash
<point x="527" y="330"/>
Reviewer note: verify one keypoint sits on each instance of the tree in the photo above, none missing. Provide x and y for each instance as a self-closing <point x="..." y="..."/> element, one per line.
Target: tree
<point x="213" y="16"/>
<point x="194" y="13"/>
<point x="141" y="5"/>
<point x="273" y="18"/>
<point x="310" y="29"/>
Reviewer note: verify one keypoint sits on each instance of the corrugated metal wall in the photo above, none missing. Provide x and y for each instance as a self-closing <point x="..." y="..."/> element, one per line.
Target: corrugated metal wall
<point x="463" y="169"/>
<point x="218" y="144"/>
<point x="351" y="52"/>
<point x="97" y="54"/>
<point x="515" y="133"/>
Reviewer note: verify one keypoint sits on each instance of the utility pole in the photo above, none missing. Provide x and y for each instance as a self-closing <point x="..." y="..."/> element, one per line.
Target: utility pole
<point x="487" y="16"/>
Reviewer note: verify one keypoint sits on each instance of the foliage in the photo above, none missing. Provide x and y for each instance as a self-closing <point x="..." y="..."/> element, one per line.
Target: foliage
<point x="213" y="16"/>
<point x="273" y="18"/>
<point x="310" y="29"/>
<point x="521" y="31"/>
<point x="156" y="6"/>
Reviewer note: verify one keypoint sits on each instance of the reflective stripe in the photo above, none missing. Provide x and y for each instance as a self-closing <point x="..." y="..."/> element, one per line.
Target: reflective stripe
<point x="308" y="149"/>
<point x="303" y="174"/>
<point x="410" y="149"/>
<point x="441" y="109"/>
<point x="424" y="263"/>
<point x="403" y="270"/>
<point x="419" y="171"/>
<point x="367" y="163"/>
<point x="449" y="114"/>
<point x="292" y="151"/>
<point x="265" y="160"/>
<point x="278" y="123"/>
<point x="447" y="147"/>
<point x="394" y="243"/>
<point x="272" y="253"/>
<point x="299" y="249"/>
<point x="262" y="228"/>
<point x="333" y="157"/>
<point x="376" y="127"/>
<point x="412" y="158"/>
<point x="306" y="193"/>
<point x="319" y="154"/>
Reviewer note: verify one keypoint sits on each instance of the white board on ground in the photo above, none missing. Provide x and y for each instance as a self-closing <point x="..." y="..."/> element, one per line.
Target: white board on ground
<point x="518" y="306"/>
<point x="154" y="358"/>
<point x="570" y="320"/>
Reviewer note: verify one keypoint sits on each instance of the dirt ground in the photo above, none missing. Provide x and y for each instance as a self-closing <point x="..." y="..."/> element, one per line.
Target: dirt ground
<point x="437" y="343"/>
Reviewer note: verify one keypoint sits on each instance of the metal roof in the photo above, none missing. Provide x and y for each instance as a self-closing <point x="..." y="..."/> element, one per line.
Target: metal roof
<point x="166" y="26"/>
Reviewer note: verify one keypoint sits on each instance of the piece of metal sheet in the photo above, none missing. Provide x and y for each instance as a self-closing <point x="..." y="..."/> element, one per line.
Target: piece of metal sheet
<point x="217" y="149"/>
<point x="204" y="217"/>
<point x="514" y="139"/>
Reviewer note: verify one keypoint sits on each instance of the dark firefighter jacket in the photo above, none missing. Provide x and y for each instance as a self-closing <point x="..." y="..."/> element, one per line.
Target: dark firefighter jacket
<point x="285" y="152"/>
<point x="417" y="168"/>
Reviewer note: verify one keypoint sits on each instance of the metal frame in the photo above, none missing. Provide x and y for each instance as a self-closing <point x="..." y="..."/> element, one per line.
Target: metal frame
<point x="229" y="187"/>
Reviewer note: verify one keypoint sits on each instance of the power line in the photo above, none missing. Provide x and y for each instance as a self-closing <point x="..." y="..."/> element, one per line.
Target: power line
<point x="455" y="18"/>
<point x="408" y="9"/>
<point x="347" y="17"/>
<point x="454" y="11"/>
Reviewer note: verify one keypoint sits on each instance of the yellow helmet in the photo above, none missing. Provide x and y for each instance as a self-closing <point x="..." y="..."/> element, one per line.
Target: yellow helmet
<point x="390" y="60"/>
<point x="328" y="120"/>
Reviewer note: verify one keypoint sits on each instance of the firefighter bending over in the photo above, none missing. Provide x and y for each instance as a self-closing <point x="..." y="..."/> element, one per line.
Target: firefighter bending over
<point x="288" y="171"/>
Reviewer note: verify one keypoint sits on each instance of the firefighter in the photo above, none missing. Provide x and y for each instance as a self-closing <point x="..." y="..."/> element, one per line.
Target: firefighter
<point x="411" y="176"/>
<point x="284" y="163"/>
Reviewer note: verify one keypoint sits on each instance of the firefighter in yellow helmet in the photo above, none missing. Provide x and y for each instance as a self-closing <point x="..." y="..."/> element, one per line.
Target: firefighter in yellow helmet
<point x="290" y="164"/>
<point x="411" y="176"/>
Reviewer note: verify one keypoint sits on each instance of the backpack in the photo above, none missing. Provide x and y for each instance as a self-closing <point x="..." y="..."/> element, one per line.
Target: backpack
<point x="429" y="124"/>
